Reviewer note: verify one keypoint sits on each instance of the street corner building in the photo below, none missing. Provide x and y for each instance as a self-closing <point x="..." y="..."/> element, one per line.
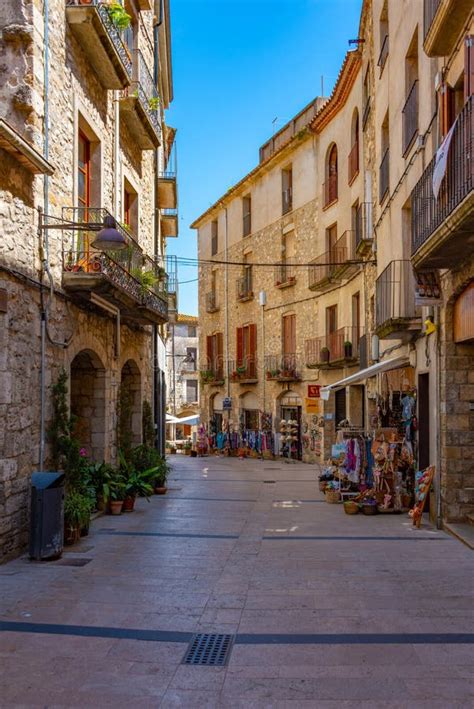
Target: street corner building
<point x="336" y="283"/>
<point x="88" y="199"/>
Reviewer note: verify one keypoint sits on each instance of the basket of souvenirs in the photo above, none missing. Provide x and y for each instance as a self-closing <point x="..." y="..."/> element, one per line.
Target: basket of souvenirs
<point x="332" y="492"/>
<point x="351" y="507"/>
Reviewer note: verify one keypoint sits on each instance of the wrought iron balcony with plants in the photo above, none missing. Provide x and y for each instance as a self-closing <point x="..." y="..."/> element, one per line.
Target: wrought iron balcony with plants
<point x="244" y="290"/>
<point x="364" y="230"/>
<point x="98" y="26"/>
<point x="396" y="315"/>
<point x="212" y="371"/>
<point x="441" y="227"/>
<point x="245" y="370"/>
<point x="282" y="368"/>
<point x="410" y="117"/>
<point x="330" y="190"/>
<point x="285" y="275"/>
<point x="140" y="105"/>
<point x="335" y="349"/>
<point x="212" y="304"/>
<point x="129" y="278"/>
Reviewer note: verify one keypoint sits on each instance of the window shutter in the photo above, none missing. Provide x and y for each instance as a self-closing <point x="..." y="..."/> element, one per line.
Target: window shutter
<point x="240" y="346"/>
<point x="446" y="108"/>
<point x="468" y="66"/>
<point x="209" y="351"/>
<point x="252" y="348"/>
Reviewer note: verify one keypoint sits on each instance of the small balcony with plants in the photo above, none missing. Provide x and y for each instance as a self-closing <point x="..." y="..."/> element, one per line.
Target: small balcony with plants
<point x="285" y="275"/>
<point x="97" y="26"/>
<point x="333" y="350"/>
<point x="443" y="22"/>
<point x="126" y="278"/>
<point x="396" y="315"/>
<point x="364" y="235"/>
<point x="212" y="303"/>
<point x="212" y="372"/>
<point x="140" y="105"/>
<point x="442" y="226"/>
<point x="244" y="290"/>
<point x="244" y="371"/>
<point x="282" y="368"/>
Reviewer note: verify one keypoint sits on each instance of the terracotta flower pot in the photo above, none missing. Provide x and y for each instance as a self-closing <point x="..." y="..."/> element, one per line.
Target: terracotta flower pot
<point x="161" y="490"/>
<point x="128" y="504"/>
<point x="116" y="507"/>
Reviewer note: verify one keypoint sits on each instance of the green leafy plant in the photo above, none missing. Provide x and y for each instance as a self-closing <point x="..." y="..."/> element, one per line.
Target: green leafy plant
<point x="77" y="509"/>
<point x="347" y="343"/>
<point x="187" y="445"/>
<point x="147" y="279"/>
<point x="139" y="483"/>
<point x="116" y="485"/>
<point x="120" y="18"/>
<point x="154" y="103"/>
<point x="145" y="457"/>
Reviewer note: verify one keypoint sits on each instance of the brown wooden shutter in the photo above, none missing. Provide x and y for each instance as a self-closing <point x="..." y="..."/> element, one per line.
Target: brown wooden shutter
<point x="468" y="66"/>
<point x="240" y="346"/>
<point x="446" y="97"/>
<point x="252" y="349"/>
<point x="209" y="351"/>
<point x="220" y="354"/>
<point x="289" y="334"/>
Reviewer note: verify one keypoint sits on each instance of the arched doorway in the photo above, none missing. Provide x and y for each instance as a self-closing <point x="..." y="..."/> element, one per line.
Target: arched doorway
<point x="249" y="411"/>
<point x="88" y="403"/>
<point x="289" y="409"/>
<point x="129" y="432"/>
<point x="216" y="412"/>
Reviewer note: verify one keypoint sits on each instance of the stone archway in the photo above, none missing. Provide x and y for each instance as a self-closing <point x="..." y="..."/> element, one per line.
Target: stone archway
<point x="130" y="406"/>
<point x="87" y="376"/>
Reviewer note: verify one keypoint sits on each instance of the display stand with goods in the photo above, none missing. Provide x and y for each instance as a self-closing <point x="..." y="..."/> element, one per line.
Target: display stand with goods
<point x="423" y="481"/>
<point x="289" y="438"/>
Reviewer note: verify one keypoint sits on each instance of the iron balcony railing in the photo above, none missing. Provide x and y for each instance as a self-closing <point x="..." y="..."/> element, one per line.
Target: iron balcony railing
<point x="410" y="117"/>
<point x="383" y="54"/>
<point x="244" y="286"/>
<point x="343" y="252"/>
<point x="429" y="213"/>
<point x="363" y="230"/>
<point x="244" y="369"/>
<point x="395" y="293"/>
<point x="212" y="370"/>
<point x="287" y="200"/>
<point x="384" y="175"/>
<point x="321" y="269"/>
<point x="133" y="271"/>
<point x="111" y="29"/>
<point x="212" y="305"/>
<point x="353" y="161"/>
<point x="343" y="344"/>
<point x="429" y="11"/>
<point x="144" y="88"/>
<point x="283" y="367"/>
<point x="285" y="274"/>
<point x="330" y="190"/>
<point x="166" y="175"/>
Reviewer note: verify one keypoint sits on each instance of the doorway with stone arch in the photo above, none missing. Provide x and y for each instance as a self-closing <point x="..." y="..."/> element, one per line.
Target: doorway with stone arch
<point x="129" y="407"/>
<point x="87" y="403"/>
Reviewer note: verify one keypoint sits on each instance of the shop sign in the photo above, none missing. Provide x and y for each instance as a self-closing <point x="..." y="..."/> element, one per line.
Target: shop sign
<point x="313" y="406"/>
<point x="227" y="403"/>
<point x="329" y="417"/>
<point x="313" y="391"/>
<point x="427" y="288"/>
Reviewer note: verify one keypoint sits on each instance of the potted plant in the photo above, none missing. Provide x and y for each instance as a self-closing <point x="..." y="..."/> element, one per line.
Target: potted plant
<point x="76" y="514"/>
<point x="241" y="370"/>
<point x="116" y="492"/>
<point x="154" y="103"/>
<point x="137" y="483"/>
<point x="324" y="355"/>
<point x="118" y="16"/>
<point x="187" y="448"/>
<point x="347" y="349"/>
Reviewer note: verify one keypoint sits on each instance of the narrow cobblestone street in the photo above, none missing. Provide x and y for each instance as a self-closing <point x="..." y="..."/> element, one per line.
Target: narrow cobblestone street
<point x="325" y="610"/>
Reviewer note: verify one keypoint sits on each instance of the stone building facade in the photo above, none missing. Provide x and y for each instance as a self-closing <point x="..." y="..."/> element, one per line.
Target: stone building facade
<point x="83" y="137"/>
<point x="182" y="380"/>
<point x="410" y="269"/>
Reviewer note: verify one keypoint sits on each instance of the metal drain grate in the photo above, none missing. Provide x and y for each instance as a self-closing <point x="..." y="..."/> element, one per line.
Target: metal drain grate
<point x="268" y="481"/>
<point x="73" y="562"/>
<point x="211" y="649"/>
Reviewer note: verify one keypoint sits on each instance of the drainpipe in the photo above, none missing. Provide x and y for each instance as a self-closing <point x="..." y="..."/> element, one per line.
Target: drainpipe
<point x="157" y="394"/>
<point x="117" y="154"/>
<point x="226" y="298"/>
<point x="439" y="523"/>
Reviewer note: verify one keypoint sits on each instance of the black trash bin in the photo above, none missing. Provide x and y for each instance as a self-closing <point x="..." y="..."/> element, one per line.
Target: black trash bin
<point x="47" y="516"/>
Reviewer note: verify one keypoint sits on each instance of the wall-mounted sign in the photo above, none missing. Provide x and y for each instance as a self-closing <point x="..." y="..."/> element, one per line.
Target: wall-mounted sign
<point x="427" y="288"/>
<point x="329" y="417"/>
<point x="313" y="391"/>
<point x="313" y="406"/>
<point x="227" y="403"/>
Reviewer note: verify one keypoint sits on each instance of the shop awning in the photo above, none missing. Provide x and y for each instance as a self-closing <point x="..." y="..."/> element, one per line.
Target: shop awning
<point x="191" y="420"/>
<point x="363" y="374"/>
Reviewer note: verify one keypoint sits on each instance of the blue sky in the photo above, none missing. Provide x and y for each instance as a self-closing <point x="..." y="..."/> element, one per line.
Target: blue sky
<point x="237" y="65"/>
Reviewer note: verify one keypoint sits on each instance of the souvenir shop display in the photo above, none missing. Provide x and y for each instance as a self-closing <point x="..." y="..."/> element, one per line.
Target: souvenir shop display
<point x="242" y="442"/>
<point x="289" y="438"/>
<point x="423" y="480"/>
<point x="332" y="492"/>
<point x="202" y="440"/>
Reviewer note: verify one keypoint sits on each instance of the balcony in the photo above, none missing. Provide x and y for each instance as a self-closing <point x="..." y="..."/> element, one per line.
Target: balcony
<point x="282" y="368"/>
<point x="140" y="106"/>
<point x="353" y="162"/>
<point x="410" y="118"/>
<point x="383" y="54"/>
<point x="384" y="176"/>
<point x="443" y="228"/>
<point x="167" y="190"/>
<point x="172" y="271"/>
<point x="169" y="223"/>
<point x="244" y="371"/>
<point x="244" y="290"/>
<point x="285" y="275"/>
<point x="330" y="190"/>
<point x="212" y="373"/>
<point x="443" y="23"/>
<point x="343" y="255"/>
<point x="364" y="233"/>
<point x="396" y="316"/>
<point x="128" y="279"/>
<point x="101" y="42"/>
<point x="333" y="350"/>
<point x="212" y="305"/>
<point x="321" y="271"/>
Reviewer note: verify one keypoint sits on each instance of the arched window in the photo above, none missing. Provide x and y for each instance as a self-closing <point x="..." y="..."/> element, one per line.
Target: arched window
<point x="353" y="161"/>
<point x="330" y="186"/>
